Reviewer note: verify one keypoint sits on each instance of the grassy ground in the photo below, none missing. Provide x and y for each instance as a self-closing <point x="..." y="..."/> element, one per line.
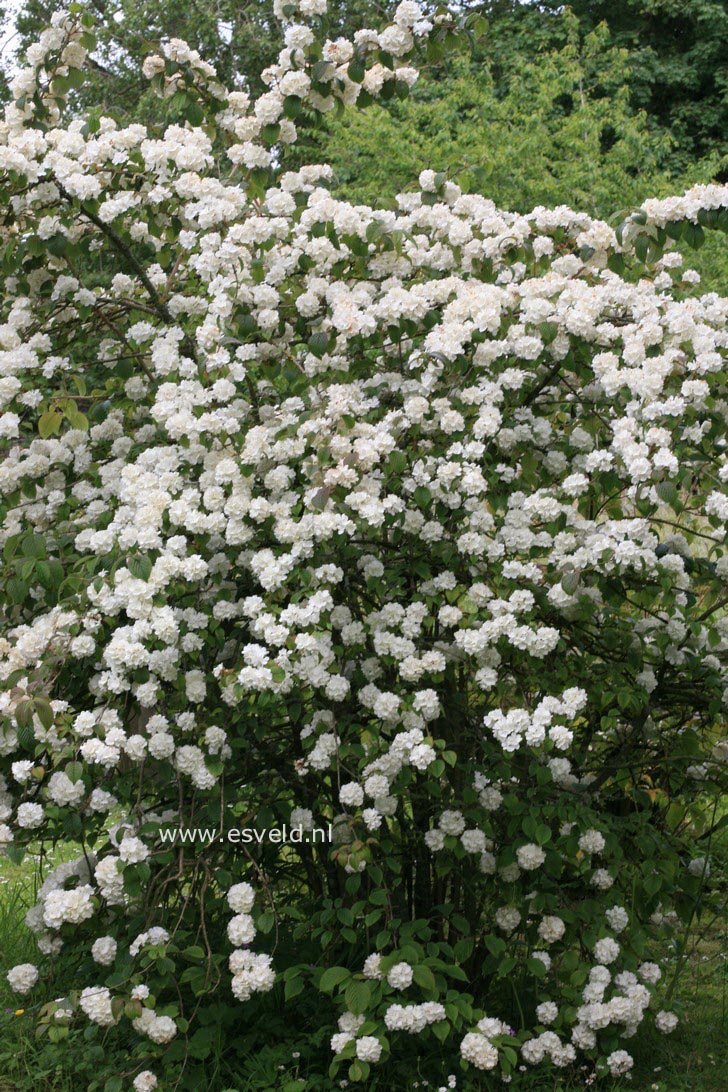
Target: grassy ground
<point x="693" y="1059"/>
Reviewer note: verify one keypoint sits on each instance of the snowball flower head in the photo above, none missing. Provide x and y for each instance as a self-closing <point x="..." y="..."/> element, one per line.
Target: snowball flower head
<point x="479" y="1051"/>
<point x="103" y="950"/>
<point x="666" y="1021"/>
<point x="22" y="977"/>
<point x="241" y="897"/>
<point x="592" y="841"/>
<point x="619" y="1062"/>
<point x="145" y="1081"/>
<point x="530" y="857"/>
<point x="368" y="1049"/>
<point x="400" y="976"/>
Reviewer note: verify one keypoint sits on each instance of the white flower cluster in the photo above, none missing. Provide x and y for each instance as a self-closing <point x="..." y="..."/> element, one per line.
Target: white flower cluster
<point x="548" y="1045"/>
<point x="477" y="1046"/>
<point x="413" y="1018"/>
<point x="368" y="1048"/>
<point x="519" y="726"/>
<point x="22" y="977"/>
<point x="96" y="1004"/>
<point x="400" y="976"/>
<point x="160" y="1029"/>
<point x="252" y="973"/>
<point x="530" y="857"/>
<point x="145" y="1081"/>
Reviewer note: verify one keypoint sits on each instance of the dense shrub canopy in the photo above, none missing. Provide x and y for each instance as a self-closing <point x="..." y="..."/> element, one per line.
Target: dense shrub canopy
<point x="409" y="522"/>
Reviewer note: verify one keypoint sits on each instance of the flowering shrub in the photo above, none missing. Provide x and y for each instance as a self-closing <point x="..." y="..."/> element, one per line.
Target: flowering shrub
<point x="408" y="521"/>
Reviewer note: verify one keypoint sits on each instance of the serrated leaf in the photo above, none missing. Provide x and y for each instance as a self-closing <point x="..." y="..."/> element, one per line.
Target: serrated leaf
<point x="140" y="567"/>
<point x="318" y="343"/>
<point x="666" y="491"/>
<point x="49" y="423"/>
<point x="293" y="987"/>
<point x="44" y="712"/>
<point x="17" y="590"/>
<point x="441" y="1030"/>
<point x="357" y="996"/>
<point x="331" y="978"/>
<point x="33" y="546"/>
<point x="570" y="582"/>
<point x="26" y="737"/>
<point x="424" y="977"/>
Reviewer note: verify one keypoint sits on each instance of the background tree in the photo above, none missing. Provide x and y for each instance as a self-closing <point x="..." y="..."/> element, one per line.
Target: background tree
<point x="679" y="54"/>
<point x="559" y="127"/>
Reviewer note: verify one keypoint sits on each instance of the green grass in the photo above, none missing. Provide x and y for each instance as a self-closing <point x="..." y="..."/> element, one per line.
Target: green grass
<point x="693" y="1059"/>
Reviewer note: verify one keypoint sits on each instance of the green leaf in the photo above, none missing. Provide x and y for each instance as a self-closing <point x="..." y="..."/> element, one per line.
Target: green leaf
<point x="495" y="945"/>
<point x="17" y="590"/>
<point x="652" y="884"/>
<point x="194" y="952"/>
<point x="641" y="246"/>
<point x="693" y="234"/>
<point x="266" y="921"/>
<point x="49" y="423"/>
<point x="76" y="77"/>
<point x="378" y="897"/>
<point x="140" y="567"/>
<point x="318" y="343"/>
<point x="15" y="854"/>
<point x="194" y="114"/>
<point x="292" y="106"/>
<point x="356" y="1071"/>
<point x="537" y="967"/>
<point x="33" y="546"/>
<point x="357" y="996"/>
<point x="570" y="582"/>
<point x="667" y="491"/>
<point x="43" y="571"/>
<point x="44" y="712"/>
<point x="397" y="462"/>
<point x="293" y="987"/>
<point x="424" y="977"/>
<point x="76" y="419"/>
<point x="26" y="737"/>
<point x="24" y="712"/>
<point x="506" y="966"/>
<point x="441" y="1030"/>
<point x="10" y="547"/>
<point x="356" y="70"/>
<point x="331" y="978"/>
<point x="201" y="1043"/>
